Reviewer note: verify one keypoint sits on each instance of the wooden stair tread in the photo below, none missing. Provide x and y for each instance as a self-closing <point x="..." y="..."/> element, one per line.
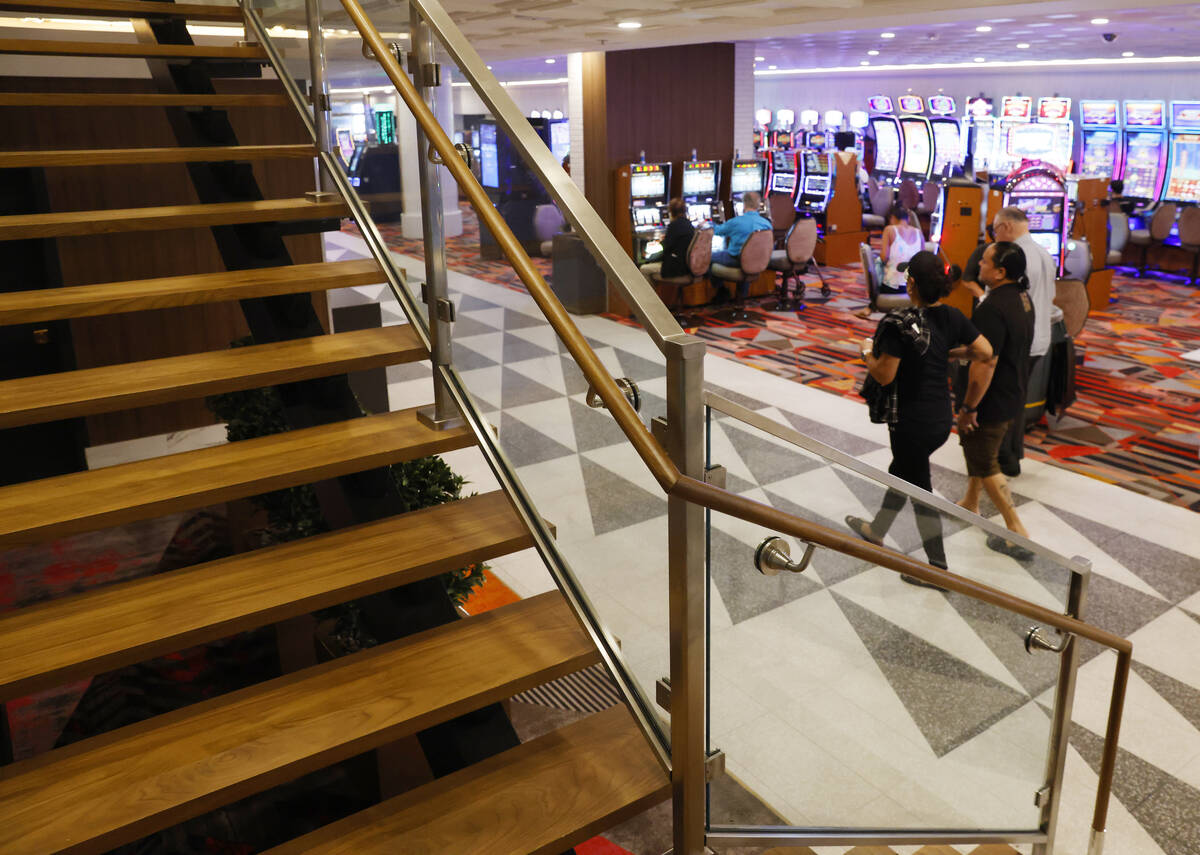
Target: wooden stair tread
<point x="79" y="301"/>
<point x="24" y="226"/>
<point x="105" y="157"/>
<point x="84" y="501"/>
<point x="118" y="787"/>
<point x="136" y="50"/>
<point x="66" y="639"/>
<point x="125" y="9"/>
<point x="88" y="391"/>
<point x="540" y="798"/>
<point x="138" y="99"/>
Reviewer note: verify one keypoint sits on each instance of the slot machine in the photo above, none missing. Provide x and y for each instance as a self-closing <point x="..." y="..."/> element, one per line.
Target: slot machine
<point x="345" y="145"/>
<point x="947" y="138"/>
<point x="354" y="163"/>
<point x="1054" y="114"/>
<point x="918" y="139"/>
<point x="1183" y="168"/>
<point x="1145" y="150"/>
<point x="745" y="176"/>
<point x="1040" y="190"/>
<point x="701" y="182"/>
<point x="814" y="181"/>
<point x="782" y="180"/>
<point x="1016" y="112"/>
<point x="979" y="132"/>
<point x="1099" y="139"/>
<point x="889" y="145"/>
<point x="859" y="121"/>
<point x="782" y="136"/>
<point x="643" y="190"/>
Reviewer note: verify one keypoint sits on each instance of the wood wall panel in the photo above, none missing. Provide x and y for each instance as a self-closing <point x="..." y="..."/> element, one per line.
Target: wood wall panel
<point x="103" y="258"/>
<point x="597" y="175"/>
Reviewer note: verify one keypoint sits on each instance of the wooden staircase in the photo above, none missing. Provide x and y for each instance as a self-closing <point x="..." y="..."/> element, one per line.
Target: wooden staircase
<point x="113" y="789"/>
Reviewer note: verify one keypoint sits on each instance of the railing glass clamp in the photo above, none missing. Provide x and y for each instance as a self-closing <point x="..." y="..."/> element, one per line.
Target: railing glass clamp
<point x="1035" y="639"/>
<point x="627" y="386"/>
<point x="774" y="555"/>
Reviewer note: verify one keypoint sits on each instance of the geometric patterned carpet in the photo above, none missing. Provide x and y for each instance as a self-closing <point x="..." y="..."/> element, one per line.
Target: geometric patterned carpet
<point x="905" y="707"/>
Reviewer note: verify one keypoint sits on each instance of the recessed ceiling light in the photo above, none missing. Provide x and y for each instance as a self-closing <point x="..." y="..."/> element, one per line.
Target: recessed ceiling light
<point x="1127" y="53"/>
<point x="983" y="28"/>
<point x="980" y="59"/>
<point x="864" y="62"/>
<point x="550" y="61"/>
<point x="489" y="68"/>
<point x="1023" y="45"/>
<point x="887" y="35"/>
<point x="1099" y="20"/>
<point x="872" y="53"/>
<point x="772" y="67"/>
<point x="630" y="25"/>
<point x="760" y="59"/>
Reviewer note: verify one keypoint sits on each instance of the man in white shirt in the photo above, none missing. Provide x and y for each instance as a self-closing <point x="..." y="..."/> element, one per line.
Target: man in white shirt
<point x="1011" y="224"/>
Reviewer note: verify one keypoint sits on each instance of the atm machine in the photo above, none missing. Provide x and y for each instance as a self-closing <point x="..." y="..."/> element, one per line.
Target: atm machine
<point x="701" y="184"/>
<point x="1099" y="139"/>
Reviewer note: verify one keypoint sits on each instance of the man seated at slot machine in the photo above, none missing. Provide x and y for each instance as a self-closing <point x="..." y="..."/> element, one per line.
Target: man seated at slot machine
<point x="673" y="260"/>
<point x="735" y="231"/>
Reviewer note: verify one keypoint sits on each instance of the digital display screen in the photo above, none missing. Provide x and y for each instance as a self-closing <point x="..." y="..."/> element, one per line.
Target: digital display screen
<point x="1098" y="113"/>
<point x="887" y="147"/>
<point x="918" y="147"/>
<point x="912" y="103"/>
<point x="1054" y="109"/>
<point x="699" y="213"/>
<point x="782" y="162"/>
<point x="947" y="146"/>
<point x="783" y="182"/>
<point x="345" y="144"/>
<point x="979" y="108"/>
<point x="1143" y="160"/>
<point x="489" y="161"/>
<point x="880" y="103"/>
<point x="1183" y="182"/>
<point x="816" y="163"/>
<point x="985" y="144"/>
<point x="560" y="139"/>
<point x="783" y="139"/>
<point x="1185" y="115"/>
<point x="1049" y="241"/>
<point x="1099" y="153"/>
<point x="747" y="177"/>
<point x="1016" y="107"/>
<point x="1145" y="114"/>
<point x="645" y="218"/>
<point x="699" y="179"/>
<point x="1044" y="212"/>
<point x="816" y="185"/>
<point x="385" y="127"/>
<point x="818" y="140"/>
<point x="648" y="185"/>
<point x="942" y="105"/>
<point x="1049" y="143"/>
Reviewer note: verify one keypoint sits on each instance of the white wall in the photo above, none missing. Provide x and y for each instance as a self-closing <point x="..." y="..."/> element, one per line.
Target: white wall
<point x="850" y="91"/>
<point x="550" y="97"/>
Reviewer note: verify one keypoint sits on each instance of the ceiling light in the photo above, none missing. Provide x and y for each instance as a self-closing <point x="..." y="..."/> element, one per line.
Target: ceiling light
<point x="887" y="35"/>
<point x="1099" y="21"/>
<point x="864" y="62"/>
<point x="980" y="59"/>
<point x="760" y="59"/>
<point x="983" y="28"/>
<point x="550" y="61"/>
<point x="872" y="53"/>
<point x="630" y="25"/>
<point x="772" y="67"/>
<point x="1023" y="45"/>
<point x="1127" y="53"/>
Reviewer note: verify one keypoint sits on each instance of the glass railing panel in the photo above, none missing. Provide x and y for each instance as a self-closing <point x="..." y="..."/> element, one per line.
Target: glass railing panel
<point x="844" y="697"/>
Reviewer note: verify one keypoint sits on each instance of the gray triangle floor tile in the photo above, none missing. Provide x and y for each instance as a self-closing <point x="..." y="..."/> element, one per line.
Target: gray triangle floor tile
<point x="1004" y="634"/>
<point x="950" y="701"/>
<point x="953" y="486"/>
<point x="514" y="320"/>
<point x="834" y="566"/>
<point x="517" y="349"/>
<point x="734" y="484"/>
<point x="904" y="529"/>
<point x="1184" y="698"/>
<point x="767" y="461"/>
<point x="616" y="503"/>
<point x="524" y="445"/>
<point x="1166" y="807"/>
<point x="408" y="371"/>
<point x="573" y="376"/>
<point x="469" y="303"/>
<point x="466" y="359"/>
<point x="1174" y="575"/>
<point x="638" y="369"/>
<point x="839" y="439"/>
<point x="745" y="592"/>
<point x="1119" y="609"/>
<point x="517" y="390"/>
<point x="468" y="326"/>
<point x="594" y="428"/>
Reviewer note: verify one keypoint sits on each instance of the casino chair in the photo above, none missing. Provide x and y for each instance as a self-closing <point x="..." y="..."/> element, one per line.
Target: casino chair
<point x="782" y="211"/>
<point x="795" y="258"/>
<point x="1189" y="236"/>
<point x="929" y="198"/>
<point x="881" y="203"/>
<point x="756" y="255"/>
<point x="1160" y="228"/>
<point x="1118" y="236"/>
<point x="873" y="280"/>
<point x="1071" y="296"/>
<point x="908" y="194"/>
<point x="547" y="222"/>
<point x="1077" y="261"/>
<point x="699" y="259"/>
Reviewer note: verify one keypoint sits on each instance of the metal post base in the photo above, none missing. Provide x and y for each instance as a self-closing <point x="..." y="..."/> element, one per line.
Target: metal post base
<point x="428" y="417"/>
<point x="1096" y="843"/>
<point x="319" y="196"/>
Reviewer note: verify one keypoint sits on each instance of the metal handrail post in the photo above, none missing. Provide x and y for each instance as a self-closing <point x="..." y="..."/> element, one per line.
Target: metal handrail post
<point x="318" y="87"/>
<point x="433" y="230"/>
<point x="1060" y="731"/>
<point x="687" y="597"/>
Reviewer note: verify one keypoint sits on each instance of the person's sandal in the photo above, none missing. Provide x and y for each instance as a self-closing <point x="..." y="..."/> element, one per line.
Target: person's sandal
<point x="863" y="529"/>
<point x="921" y="583"/>
<point x="1012" y="550"/>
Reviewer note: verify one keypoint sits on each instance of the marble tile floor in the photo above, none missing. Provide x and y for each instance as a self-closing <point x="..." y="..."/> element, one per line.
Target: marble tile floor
<point x="843" y="697"/>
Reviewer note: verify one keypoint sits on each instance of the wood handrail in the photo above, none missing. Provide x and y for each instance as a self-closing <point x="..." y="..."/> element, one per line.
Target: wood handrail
<point x="672" y="481"/>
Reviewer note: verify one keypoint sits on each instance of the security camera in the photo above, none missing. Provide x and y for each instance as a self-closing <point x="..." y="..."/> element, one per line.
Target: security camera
<point x="1110" y="37"/>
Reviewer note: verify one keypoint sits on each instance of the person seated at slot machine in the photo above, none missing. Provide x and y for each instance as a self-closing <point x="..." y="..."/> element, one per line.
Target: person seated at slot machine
<point x="901" y="241"/>
<point x="1116" y="194"/>
<point x="673" y="261"/>
<point x="736" y="231"/>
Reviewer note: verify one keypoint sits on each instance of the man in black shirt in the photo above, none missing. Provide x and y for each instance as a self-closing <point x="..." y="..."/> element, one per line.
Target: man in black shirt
<point x="995" y="392"/>
<point x="673" y="261"/>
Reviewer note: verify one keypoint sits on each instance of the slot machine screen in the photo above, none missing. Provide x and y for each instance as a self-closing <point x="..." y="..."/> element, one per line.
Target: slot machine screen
<point x="1046" y="142"/>
<point x="1098" y="113"/>
<point x="783" y="163"/>
<point x="942" y="105"/>
<point x="489" y="160"/>
<point x="746" y="178"/>
<point x="1142" y="161"/>
<point x="818" y="140"/>
<point x="699" y="213"/>
<point x="912" y="103"/>
<point x="345" y="144"/>
<point x="1099" y="153"/>
<point x="646" y="218"/>
<point x="648" y="185"/>
<point x="1049" y="241"/>
<point x="880" y="103"/>
<point x="917" y="144"/>
<point x="985" y="144"/>
<point x="816" y="163"/>
<point x="1183" y="184"/>
<point x="560" y="139"/>
<point x="887" y="147"/>
<point x="783" y="182"/>
<point x="1145" y="114"/>
<point x="699" y="182"/>
<point x="1044" y="212"/>
<point x="947" y="146"/>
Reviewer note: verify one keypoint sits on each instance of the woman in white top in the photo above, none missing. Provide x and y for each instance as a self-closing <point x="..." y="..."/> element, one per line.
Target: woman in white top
<point x="901" y="241"/>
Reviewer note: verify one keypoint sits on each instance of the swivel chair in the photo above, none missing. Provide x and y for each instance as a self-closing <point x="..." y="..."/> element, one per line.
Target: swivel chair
<point x="1189" y="236"/>
<point x="794" y="259"/>
<point x="547" y="222"/>
<point x="1160" y="228"/>
<point x="1118" y="236"/>
<point x="756" y="255"/>
<point x="881" y="203"/>
<point x="873" y="281"/>
<point x="699" y="259"/>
